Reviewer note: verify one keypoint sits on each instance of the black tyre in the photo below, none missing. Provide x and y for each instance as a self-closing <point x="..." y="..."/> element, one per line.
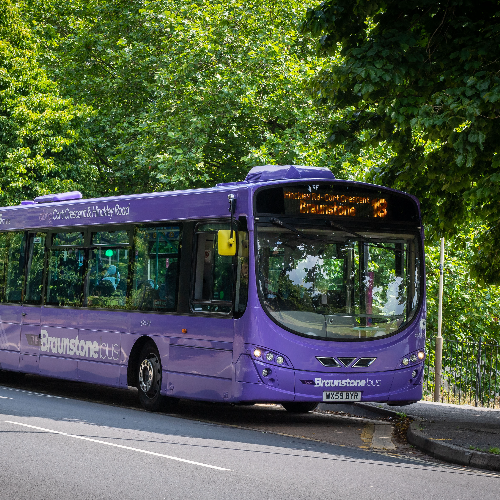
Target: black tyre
<point x="149" y="378"/>
<point x="299" y="407"/>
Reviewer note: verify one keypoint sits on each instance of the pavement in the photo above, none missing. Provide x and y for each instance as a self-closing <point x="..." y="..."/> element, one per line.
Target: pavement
<point x="459" y="434"/>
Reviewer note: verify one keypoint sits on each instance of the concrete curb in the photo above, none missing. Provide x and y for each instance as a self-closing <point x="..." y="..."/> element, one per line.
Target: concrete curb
<point x="377" y="409"/>
<point x="444" y="451"/>
<point x="450" y="452"/>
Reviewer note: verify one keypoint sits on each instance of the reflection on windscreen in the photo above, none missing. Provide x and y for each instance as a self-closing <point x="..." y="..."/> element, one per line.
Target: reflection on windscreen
<point x="333" y="285"/>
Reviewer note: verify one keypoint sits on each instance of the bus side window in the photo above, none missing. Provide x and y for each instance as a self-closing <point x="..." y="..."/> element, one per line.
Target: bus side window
<point x="108" y="269"/>
<point x="34" y="282"/>
<point x="156" y="268"/>
<point x="213" y="283"/>
<point x="66" y="270"/>
<point x="12" y="247"/>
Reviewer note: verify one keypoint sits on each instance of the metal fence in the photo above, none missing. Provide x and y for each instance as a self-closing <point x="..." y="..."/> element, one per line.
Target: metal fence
<point x="470" y="373"/>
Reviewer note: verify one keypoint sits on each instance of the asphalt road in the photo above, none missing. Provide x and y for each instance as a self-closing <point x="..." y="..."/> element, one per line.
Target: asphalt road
<point x="54" y="446"/>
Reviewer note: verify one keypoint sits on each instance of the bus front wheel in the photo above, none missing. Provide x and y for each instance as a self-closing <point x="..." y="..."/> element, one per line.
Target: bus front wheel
<point x="149" y="378"/>
<point x="299" y="407"/>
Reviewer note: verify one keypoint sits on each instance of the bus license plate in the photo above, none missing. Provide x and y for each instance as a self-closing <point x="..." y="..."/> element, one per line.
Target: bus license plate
<point x="341" y="396"/>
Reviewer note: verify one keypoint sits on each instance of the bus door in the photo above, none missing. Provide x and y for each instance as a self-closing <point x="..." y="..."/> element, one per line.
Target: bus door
<point x="200" y="362"/>
<point x="12" y="245"/>
<point x="99" y="337"/>
<point x="64" y="280"/>
<point x="30" y="330"/>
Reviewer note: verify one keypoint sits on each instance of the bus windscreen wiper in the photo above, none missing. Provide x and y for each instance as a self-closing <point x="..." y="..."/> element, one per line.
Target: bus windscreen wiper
<point x="285" y="225"/>
<point x="336" y="225"/>
<point x="363" y="239"/>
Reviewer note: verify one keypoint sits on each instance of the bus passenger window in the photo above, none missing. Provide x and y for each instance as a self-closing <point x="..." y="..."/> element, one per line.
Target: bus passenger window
<point x="66" y="270"/>
<point x="213" y="286"/>
<point x="155" y="269"/>
<point x="36" y="255"/>
<point x="108" y="270"/>
<point x="73" y="239"/>
<point x="12" y="266"/>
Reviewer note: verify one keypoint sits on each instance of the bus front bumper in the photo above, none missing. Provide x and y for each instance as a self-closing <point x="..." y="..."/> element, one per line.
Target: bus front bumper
<point x="282" y="384"/>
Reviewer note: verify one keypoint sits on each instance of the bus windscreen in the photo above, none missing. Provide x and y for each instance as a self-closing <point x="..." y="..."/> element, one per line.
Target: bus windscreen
<point x="330" y="285"/>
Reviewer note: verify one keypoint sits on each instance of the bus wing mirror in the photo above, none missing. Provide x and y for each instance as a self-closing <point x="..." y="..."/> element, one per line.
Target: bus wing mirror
<point x="226" y="242"/>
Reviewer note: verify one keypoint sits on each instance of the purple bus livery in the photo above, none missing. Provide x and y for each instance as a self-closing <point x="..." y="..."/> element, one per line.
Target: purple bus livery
<point x="290" y="287"/>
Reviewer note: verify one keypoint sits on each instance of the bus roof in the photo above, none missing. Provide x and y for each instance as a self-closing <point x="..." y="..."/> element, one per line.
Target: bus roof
<point x="69" y="209"/>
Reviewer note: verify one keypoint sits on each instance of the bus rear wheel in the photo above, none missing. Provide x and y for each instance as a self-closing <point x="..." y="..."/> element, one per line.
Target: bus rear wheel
<point x="299" y="407"/>
<point x="149" y="378"/>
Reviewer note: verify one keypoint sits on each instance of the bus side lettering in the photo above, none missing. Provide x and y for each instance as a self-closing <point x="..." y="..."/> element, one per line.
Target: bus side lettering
<point x="75" y="346"/>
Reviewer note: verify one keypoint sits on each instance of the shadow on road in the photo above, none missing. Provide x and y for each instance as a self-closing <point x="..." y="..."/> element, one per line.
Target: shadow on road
<point x="334" y="436"/>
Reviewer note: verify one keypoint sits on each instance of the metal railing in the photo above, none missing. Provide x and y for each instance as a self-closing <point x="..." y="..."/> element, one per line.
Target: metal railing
<point x="470" y="372"/>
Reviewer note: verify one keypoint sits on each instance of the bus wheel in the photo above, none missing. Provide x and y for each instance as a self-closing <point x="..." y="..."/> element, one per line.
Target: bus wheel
<point x="299" y="407"/>
<point x="149" y="378"/>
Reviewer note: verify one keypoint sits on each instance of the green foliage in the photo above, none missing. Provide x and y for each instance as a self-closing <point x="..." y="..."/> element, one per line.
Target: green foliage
<point x="420" y="78"/>
<point x="470" y="373"/>
<point x="39" y="143"/>
<point x="186" y="93"/>
<point x="470" y="310"/>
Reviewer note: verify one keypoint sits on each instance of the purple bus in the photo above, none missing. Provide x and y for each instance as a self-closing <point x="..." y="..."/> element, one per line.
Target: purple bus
<point x="290" y="287"/>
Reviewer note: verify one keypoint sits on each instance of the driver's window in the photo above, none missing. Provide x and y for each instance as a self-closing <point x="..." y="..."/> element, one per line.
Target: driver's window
<point x="214" y="280"/>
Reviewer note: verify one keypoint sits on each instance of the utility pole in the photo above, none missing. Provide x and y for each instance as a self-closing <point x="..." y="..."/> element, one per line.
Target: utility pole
<point x="438" y="362"/>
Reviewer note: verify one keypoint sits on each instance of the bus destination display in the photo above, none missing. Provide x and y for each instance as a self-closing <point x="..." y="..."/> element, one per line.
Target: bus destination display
<point x="336" y="200"/>
<point x="324" y="203"/>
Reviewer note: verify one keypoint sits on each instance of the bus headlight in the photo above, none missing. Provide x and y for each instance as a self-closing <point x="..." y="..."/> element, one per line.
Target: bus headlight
<point x="268" y="356"/>
<point x="405" y="361"/>
<point x="421" y="355"/>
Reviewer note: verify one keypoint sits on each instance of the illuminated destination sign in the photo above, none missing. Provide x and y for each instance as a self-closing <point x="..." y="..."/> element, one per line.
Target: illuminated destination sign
<point x="321" y="203"/>
<point x="346" y="200"/>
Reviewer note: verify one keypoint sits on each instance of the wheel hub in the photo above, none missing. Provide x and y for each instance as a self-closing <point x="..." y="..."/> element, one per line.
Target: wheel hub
<point x="146" y="375"/>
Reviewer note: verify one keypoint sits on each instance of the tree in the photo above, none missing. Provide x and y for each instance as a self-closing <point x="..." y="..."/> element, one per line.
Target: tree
<point x="421" y="78"/>
<point x="186" y="93"/>
<point x="40" y="151"/>
<point x="470" y="311"/>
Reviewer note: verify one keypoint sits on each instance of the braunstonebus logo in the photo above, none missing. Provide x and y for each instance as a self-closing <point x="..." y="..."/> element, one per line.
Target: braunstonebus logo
<point x="348" y="382"/>
<point x="76" y="347"/>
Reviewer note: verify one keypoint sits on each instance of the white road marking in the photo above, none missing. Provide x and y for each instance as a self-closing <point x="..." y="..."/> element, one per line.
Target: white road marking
<point x="30" y="393"/>
<point x="118" y="446"/>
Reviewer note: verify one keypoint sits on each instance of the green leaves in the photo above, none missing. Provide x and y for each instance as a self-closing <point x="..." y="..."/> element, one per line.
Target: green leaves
<point x="39" y="139"/>
<point x="185" y="93"/>
<point x="422" y="78"/>
<point x="469" y="309"/>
